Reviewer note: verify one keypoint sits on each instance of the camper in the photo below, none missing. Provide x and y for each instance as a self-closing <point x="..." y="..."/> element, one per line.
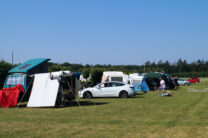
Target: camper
<point x="21" y="74"/>
<point x="115" y="76"/>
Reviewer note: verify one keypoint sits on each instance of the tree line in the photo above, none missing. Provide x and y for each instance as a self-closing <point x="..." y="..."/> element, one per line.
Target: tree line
<point x="181" y="68"/>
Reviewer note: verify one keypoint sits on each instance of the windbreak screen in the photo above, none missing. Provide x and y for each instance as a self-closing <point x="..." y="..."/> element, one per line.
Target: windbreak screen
<point x="44" y="91"/>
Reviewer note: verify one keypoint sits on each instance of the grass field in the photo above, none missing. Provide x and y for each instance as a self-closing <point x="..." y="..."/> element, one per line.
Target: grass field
<point x="185" y="114"/>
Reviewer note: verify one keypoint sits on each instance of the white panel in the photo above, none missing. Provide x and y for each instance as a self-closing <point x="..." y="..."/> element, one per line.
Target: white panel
<point x="44" y="91"/>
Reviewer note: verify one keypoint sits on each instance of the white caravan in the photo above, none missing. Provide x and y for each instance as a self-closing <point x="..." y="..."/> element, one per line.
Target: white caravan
<point x="135" y="78"/>
<point x="115" y="76"/>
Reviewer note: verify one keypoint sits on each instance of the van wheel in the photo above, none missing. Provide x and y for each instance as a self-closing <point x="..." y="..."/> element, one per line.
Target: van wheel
<point x="87" y="95"/>
<point x="186" y="84"/>
<point x="123" y="94"/>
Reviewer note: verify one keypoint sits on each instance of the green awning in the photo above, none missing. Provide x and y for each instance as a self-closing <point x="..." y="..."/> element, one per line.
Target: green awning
<point x="153" y="75"/>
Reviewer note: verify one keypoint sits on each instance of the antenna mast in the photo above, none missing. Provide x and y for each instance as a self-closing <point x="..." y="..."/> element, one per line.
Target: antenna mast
<point x="12" y="58"/>
<point x="144" y="64"/>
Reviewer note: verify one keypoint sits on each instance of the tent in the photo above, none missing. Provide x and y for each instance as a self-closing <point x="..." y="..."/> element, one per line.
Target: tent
<point x="142" y="86"/>
<point x="153" y="80"/>
<point x="47" y="88"/>
<point x="154" y="75"/>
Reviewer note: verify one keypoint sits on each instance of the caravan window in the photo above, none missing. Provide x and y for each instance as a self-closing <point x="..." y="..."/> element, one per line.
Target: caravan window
<point x="14" y="80"/>
<point x="120" y="79"/>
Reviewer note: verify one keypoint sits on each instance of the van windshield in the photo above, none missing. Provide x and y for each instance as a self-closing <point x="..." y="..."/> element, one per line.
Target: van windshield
<point x="14" y="80"/>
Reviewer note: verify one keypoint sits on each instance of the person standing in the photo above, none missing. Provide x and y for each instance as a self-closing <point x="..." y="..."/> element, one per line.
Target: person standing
<point x="162" y="85"/>
<point x="176" y="82"/>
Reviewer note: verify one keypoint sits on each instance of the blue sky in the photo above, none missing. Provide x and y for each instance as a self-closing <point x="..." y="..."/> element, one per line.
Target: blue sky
<point x="104" y="31"/>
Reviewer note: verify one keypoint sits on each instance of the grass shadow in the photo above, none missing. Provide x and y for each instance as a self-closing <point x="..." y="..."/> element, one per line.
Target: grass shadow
<point x="69" y="104"/>
<point x="138" y="97"/>
<point x="22" y="105"/>
<point x="83" y="103"/>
